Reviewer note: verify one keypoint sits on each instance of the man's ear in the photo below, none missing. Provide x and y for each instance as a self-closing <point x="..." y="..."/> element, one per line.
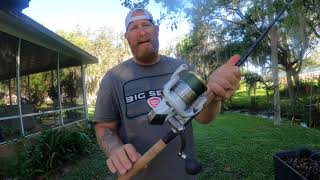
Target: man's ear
<point x="126" y="35"/>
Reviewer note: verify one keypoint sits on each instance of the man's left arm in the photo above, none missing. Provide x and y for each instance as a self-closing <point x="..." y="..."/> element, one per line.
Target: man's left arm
<point x="222" y="83"/>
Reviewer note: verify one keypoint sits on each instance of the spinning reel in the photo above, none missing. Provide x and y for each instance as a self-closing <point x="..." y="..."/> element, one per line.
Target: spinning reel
<point x="183" y="99"/>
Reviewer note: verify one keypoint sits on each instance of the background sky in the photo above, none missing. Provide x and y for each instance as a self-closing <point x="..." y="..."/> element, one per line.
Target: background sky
<point x="68" y="14"/>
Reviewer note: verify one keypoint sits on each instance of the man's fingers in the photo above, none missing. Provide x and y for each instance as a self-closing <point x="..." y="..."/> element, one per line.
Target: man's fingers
<point x="131" y="152"/>
<point x="234" y="81"/>
<point x="218" y="90"/>
<point x="234" y="59"/>
<point x="111" y="166"/>
<point x="225" y="80"/>
<point x="237" y="86"/>
<point x="124" y="159"/>
<point x="223" y="83"/>
<point x="228" y="95"/>
<point x="235" y="71"/>
<point x="118" y="165"/>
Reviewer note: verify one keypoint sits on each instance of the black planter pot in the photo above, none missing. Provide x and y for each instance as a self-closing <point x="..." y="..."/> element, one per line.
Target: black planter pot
<point x="290" y="165"/>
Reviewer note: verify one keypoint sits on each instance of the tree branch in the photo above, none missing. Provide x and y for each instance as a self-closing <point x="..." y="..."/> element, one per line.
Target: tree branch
<point x="313" y="29"/>
<point x="242" y="16"/>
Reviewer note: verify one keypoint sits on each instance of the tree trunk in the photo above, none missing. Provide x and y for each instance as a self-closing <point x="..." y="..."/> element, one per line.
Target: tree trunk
<point x="295" y="75"/>
<point x="310" y="107"/>
<point x="291" y="92"/>
<point x="275" y="76"/>
<point x="255" y="95"/>
<point x="268" y="97"/>
<point x="275" y="71"/>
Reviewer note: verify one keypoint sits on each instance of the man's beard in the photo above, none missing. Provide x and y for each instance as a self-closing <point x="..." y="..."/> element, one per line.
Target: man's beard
<point x="145" y="53"/>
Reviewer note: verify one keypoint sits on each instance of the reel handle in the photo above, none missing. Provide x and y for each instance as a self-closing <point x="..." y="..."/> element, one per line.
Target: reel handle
<point x="192" y="166"/>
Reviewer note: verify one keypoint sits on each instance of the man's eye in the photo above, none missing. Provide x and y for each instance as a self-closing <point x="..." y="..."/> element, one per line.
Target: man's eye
<point x="133" y="28"/>
<point x="146" y="25"/>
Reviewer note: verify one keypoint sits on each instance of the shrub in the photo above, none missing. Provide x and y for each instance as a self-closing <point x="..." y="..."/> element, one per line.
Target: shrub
<point x="71" y="86"/>
<point x="304" y="88"/>
<point x="87" y="127"/>
<point x="51" y="150"/>
<point x="8" y="166"/>
<point x="8" y="132"/>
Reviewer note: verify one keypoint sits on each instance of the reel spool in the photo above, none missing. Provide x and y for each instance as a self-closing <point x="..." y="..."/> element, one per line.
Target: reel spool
<point x="190" y="87"/>
<point x="179" y="94"/>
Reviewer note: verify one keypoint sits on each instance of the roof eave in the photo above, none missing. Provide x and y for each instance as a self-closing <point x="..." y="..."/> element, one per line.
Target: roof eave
<point x="21" y="26"/>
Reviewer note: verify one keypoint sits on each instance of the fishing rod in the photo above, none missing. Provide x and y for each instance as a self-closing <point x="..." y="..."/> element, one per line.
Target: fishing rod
<point x="184" y="97"/>
<point x="248" y="52"/>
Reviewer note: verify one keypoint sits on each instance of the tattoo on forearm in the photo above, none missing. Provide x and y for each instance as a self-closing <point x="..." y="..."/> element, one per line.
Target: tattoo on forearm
<point x="109" y="141"/>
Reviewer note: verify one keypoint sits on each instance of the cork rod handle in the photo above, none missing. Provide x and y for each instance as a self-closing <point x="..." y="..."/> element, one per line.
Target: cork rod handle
<point x="143" y="161"/>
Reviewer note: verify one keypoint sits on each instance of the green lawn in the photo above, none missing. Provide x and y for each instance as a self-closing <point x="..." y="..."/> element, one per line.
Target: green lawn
<point x="236" y="146"/>
<point x="240" y="100"/>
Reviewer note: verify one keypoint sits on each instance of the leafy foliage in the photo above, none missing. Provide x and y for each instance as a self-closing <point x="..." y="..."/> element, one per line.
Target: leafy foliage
<point x="131" y="4"/>
<point x="39" y="87"/>
<point x="53" y="93"/>
<point x="51" y="150"/>
<point x="8" y="132"/>
<point x="71" y="86"/>
<point x="251" y="79"/>
<point x="8" y="166"/>
<point x="110" y="48"/>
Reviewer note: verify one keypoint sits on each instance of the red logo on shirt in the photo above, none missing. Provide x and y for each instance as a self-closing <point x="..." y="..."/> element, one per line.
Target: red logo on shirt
<point x="153" y="101"/>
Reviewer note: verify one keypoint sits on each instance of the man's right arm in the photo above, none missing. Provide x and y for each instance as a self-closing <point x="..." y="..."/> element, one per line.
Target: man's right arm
<point x="120" y="156"/>
<point x="107" y="136"/>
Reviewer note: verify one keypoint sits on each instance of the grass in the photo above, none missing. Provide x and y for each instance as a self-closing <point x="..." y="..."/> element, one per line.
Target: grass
<point x="236" y="146"/>
<point x="241" y="101"/>
<point x="93" y="167"/>
<point x="241" y="146"/>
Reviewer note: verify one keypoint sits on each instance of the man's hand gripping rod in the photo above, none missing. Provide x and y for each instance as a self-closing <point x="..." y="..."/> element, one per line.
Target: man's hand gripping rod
<point x="178" y="113"/>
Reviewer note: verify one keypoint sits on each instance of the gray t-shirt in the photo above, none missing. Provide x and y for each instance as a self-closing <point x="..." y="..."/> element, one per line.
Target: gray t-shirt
<point x="127" y="93"/>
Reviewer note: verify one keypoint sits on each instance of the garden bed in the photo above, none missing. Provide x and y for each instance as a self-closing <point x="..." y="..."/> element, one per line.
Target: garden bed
<point x="297" y="164"/>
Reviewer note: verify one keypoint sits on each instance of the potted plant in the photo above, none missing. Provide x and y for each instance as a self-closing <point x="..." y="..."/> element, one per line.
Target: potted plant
<point x="298" y="164"/>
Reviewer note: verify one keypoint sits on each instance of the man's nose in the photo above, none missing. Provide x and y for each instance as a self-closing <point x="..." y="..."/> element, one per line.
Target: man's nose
<point x="142" y="32"/>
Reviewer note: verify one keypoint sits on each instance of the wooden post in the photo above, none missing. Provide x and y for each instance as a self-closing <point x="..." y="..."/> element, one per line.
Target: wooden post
<point x="29" y="93"/>
<point x="10" y="96"/>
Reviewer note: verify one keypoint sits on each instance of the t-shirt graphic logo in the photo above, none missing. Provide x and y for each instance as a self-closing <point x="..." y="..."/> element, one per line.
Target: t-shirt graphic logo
<point x="153" y="102"/>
